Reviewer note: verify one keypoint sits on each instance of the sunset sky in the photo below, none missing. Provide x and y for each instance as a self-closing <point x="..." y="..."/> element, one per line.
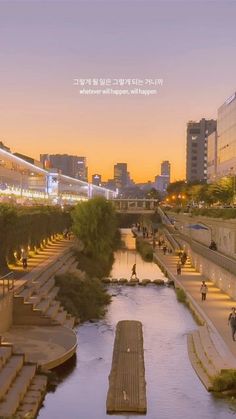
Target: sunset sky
<point x="45" y="45"/>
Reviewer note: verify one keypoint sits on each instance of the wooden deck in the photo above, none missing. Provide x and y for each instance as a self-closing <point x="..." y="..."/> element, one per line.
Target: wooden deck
<point x="127" y="385"/>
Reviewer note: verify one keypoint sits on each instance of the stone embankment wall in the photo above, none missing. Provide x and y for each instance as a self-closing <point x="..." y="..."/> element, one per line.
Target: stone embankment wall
<point x="223" y="279"/>
<point x="223" y="232"/>
<point x="6" y="311"/>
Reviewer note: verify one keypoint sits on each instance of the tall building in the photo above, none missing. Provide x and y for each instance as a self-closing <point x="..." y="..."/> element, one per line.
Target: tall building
<point x="212" y="157"/>
<point x="121" y="175"/>
<point x="196" y="156"/>
<point x="226" y="146"/>
<point x="165" y="168"/>
<point x="161" y="183"/>
<point x="73" y="166"/>
<point x="97" y="179"/>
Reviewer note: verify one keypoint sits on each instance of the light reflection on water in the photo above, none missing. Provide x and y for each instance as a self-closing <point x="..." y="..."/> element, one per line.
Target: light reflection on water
<point x="173" y="389"/>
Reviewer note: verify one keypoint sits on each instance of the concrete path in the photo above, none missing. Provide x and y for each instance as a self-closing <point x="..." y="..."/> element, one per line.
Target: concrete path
<point x="218" y="304"/>
<point x="48" y="346"/>
<point x="37" y="262"/>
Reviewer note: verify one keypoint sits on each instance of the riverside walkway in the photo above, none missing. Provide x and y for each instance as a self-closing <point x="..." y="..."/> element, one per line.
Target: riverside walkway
<point x="214" y="311"/>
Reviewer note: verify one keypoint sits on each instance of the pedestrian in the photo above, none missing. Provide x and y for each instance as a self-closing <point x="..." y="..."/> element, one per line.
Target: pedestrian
<point x="232" y="321"/>
<point x="133" y="272"/>
<point x="204" y="290"/>
<point x="164" y="249"/>
<point x="24" y="258"/>
<point x="183" y="258"/>
<point x="178" y="268"/>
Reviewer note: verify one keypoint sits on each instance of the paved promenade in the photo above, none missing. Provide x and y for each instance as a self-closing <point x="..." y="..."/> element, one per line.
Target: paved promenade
<point x="39" y="261"/>
<point x="215" y="309"/>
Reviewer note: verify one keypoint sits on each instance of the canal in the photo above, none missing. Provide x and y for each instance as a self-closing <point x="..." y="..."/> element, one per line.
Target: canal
<point x="173" y="389"/>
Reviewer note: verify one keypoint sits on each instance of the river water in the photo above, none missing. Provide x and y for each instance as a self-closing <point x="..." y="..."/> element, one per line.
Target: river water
<point x="173" y="389"/>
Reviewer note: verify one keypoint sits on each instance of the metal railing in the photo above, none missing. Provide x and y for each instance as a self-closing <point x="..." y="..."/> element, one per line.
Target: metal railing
<point x="218" y="258"/>
<point x="225" y="262"/>
<point x="7" y="283"/>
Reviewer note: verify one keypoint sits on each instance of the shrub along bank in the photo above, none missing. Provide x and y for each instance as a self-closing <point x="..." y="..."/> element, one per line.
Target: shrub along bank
<point x="28" y="227"/>
<point x="145" y="249"/>
<point x="84" y="297"/>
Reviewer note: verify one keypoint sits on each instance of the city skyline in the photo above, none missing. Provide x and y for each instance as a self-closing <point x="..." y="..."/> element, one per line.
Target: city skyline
<point x="45" y="47"/>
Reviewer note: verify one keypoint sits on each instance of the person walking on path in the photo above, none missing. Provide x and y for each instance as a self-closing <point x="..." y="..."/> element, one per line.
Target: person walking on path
<point x="164" y="249"/>
<point x="24" y="257"/>
<point x="178" y="268"/>
<point x="133" y="272"/>
<point x="204" y="290"/>
<point x="232" y="321"/>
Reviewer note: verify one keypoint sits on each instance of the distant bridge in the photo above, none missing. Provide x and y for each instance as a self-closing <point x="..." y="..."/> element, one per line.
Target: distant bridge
<point x="135" y="205"/>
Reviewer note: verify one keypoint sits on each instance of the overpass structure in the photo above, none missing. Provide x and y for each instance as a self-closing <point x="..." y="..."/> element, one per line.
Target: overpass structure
<point x="135" y="205"/>
<point x="22" y="182"/>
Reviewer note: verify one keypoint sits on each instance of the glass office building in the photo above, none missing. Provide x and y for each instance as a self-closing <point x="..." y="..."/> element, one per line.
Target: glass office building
<point x="226" y="127"/>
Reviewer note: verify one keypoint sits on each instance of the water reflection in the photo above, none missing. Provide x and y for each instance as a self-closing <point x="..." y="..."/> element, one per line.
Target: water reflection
<point x="173" y="389"/>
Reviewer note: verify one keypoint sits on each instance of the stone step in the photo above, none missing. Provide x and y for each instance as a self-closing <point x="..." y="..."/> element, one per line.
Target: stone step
<point x="210" y="349"/>
<point x="39" y="383"/>
<point x="200" y="371"/>
<point x="69" y="322"/>
<point x="17" y="391"/>
<point x="26" y="293"/>
<point x="9" y="372"/>
<point x="34" y="299"/>
<point x="43" y="275"/>
<point x="40" y="302"/>
<point x="53" y="293"/>
<point x="5" y="354"/>
<point x="61" y="317"/>
<point x="53" y="309"/>
<point x="27" y="410"/>
<point x="47" y="287"/>
<point x="43" y="304"/>
<point x="202" y="355"/>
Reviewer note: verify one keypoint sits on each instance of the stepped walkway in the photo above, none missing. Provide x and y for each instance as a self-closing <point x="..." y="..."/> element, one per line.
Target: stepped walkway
<point x="22" y="389"/>
<point x="41" y="328"/>
<point x="211" y="348"/>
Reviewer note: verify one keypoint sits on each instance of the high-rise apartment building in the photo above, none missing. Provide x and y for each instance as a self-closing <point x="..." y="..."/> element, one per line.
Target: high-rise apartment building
<point x="165" y="168"/>
<point x="162" y="181"/>
<point x="226" y="141"/>
<point x="196" y="161"/>
<point x="73" y="166"/>
<point x="121" y="176"/>
<point x="212" y="157"/>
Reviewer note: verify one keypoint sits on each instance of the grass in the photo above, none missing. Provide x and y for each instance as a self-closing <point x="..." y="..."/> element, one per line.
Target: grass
<point x="145" y="249"/>
<point x="181" y="296"/>
<point x="224" y="381"/>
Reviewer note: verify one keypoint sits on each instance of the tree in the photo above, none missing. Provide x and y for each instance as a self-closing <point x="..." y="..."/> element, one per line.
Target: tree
<point x="223" y="190"/>
<point x="95" y="224"/>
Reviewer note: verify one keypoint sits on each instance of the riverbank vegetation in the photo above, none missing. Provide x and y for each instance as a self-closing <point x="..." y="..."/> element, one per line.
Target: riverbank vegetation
<point x="83" y="297"/>
<point x="222" y="191"/>
<point x="29" y="228"/>
<point x="95" y="225"/>
<point x="145" y="249"/>
<point x="225" y="381"/>
<point x="181" y="295"/>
